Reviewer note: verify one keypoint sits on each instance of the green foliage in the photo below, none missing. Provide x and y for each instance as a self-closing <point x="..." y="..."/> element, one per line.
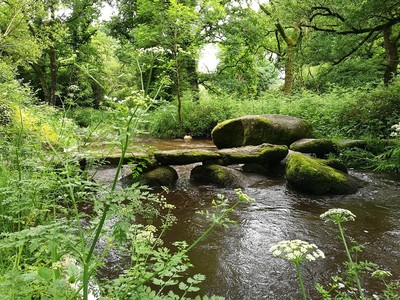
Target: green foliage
<point x="389" y="160"/>
<point x="86" y="117"/>
<point x="47" y="251"/>
<point x="349" y="284"/>
<point x="199" y="117"/>
<point x="340" y="113"/>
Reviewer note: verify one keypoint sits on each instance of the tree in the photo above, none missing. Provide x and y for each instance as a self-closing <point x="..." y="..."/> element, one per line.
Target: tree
<point x="247" y="65"/>
<point x="286" y="22"/>
<point x="63" y="28"/>
<point x="178" y="28"/>
<point x="367" y="20"/>
<point x="17" y="47"/>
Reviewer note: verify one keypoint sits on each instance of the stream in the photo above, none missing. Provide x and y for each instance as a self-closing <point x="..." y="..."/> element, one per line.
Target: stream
<point x="236" y="260"/>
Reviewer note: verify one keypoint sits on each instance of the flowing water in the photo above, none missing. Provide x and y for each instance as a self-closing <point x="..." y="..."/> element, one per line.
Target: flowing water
<point x="236" y="260"/>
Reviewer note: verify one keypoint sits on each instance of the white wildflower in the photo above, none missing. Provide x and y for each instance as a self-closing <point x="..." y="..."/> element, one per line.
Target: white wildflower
<point x="338" y="215"/>
<point x="296" y="251"/>
<point x="310" y="257"/>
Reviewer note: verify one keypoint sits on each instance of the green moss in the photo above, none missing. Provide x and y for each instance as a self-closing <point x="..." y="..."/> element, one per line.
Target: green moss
<point x="320" y="147"/>
<point x="161" y="176"/>
<point x="334" y="163"/>
<point x="312" y="176"/>
<point x="229" y="133"/>
<point x="215" y="174"/>
<point x="178" y="157"/>
<point x="274" y="154"/>
<point x="262" y="154"/>
<point x="258" y="129"/>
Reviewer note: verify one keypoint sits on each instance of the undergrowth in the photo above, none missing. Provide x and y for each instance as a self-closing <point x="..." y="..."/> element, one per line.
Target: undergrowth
<point x="339" y="113"/>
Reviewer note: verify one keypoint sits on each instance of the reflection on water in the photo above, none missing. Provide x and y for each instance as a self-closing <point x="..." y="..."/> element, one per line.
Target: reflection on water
<point x="237" y="261"/>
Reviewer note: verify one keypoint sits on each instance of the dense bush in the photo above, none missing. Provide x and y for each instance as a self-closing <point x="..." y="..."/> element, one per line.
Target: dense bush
<point x="86" y="117"/>
<point x="198" y="117"/>
<point x="340" y="113"/>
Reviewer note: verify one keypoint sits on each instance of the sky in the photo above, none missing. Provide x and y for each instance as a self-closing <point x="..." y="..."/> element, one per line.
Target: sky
<point x="208" y="61"/>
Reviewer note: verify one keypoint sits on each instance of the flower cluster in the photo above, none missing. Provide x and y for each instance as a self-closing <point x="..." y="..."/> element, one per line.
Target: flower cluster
<point x="296" y="251"/>
<point x="396" y="130"/>
<point x="381" y="274"/>
<point x="153" y="50"/>
<point x="242" y="196"/>
<point x="338" y="215"/>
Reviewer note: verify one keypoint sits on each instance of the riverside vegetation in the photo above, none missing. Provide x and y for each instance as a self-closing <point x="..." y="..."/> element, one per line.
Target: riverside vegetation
<point x="71" y="83"/>
<point x="347" y="285"/>
<point x="58" y="224"/>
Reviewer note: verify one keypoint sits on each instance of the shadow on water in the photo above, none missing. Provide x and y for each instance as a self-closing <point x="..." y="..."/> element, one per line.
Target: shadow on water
<point x="236" y="260"/>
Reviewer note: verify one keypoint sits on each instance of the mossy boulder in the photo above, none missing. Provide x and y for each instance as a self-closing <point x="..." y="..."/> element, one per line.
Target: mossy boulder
<point x="261" y="154"/>
<point x="259" y="129"/>
<point x="160" y="176"/>
<point x="310" y="175"/>
<point x="184" y="157"/>
<point x="265" y="153"/>
<point x="217" y="175"/>
<point x="319" y="147"/>
<point x="336" y="164"/>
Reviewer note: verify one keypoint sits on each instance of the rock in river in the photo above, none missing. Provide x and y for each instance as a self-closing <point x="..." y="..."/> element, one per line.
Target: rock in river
<point x="319" y="147"/>
<point x="160" y="176"/>
<point x="218" y="175"/>
<point x="312" y="176"/>
<point x="259" y="129"/>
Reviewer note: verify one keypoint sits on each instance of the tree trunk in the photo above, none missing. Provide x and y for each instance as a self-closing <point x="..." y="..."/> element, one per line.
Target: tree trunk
<point x="289" y="68"/>
<point x="193" y="78"/>
<point x="53" y="76"/>
<point x="52" y="52"/>
<point x="291" y="44"/>
<point x="392" y="56"/>
<point x="177" y="80"/>
<point x="43" y="82"/>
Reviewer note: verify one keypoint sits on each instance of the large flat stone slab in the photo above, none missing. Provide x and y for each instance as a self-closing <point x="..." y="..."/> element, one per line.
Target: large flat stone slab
<point x="262" y="154"/>
<point x="184" y="157"/>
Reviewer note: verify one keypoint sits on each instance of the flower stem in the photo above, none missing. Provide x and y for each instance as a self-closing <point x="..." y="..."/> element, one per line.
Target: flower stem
<point x="303" y="291"/>
<point x="356" y="278"/>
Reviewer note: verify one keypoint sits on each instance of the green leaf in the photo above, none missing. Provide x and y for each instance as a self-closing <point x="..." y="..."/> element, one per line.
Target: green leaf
<point x="45" y="273"/>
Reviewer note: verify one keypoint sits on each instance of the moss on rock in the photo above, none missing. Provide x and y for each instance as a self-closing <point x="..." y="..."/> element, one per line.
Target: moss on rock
<point x="311" y="176"/>
<point x="259" y="129"/>
<point x="336" y="164"/>
<point x="218" y="175"/>
<point x="319" y="147"/>
<point x="183" y="157"/>
<point x="161" y="176"/>
<point x="229" y="133"/>
<point x="262" y="154"/>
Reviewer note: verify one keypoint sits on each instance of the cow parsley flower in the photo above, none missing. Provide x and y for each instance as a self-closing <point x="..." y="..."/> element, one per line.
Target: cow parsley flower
<point x="296" y="251"/>
<point x="396" y="130"/>
<point x="338" y="215"/>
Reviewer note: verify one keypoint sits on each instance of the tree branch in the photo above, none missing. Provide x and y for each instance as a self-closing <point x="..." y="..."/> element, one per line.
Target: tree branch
<point x="326" y="12"/>
<point x="354" y="30"/>
<point x="354" y="49"/>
